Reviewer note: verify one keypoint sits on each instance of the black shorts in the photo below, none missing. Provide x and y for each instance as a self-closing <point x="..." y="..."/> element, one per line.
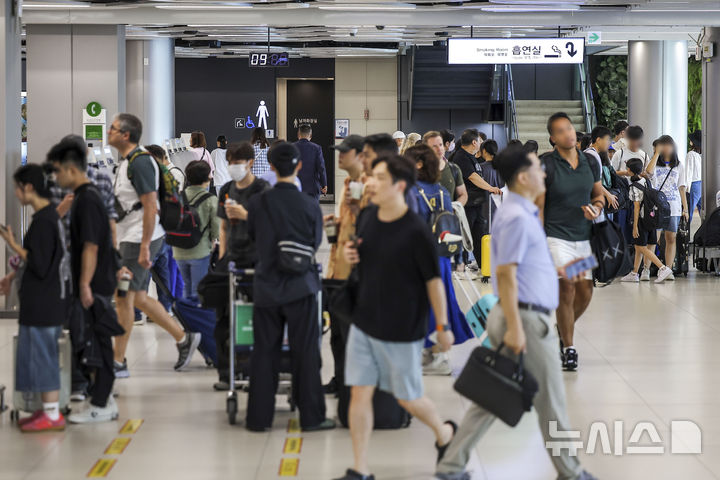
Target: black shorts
<point x="647" y="237"/>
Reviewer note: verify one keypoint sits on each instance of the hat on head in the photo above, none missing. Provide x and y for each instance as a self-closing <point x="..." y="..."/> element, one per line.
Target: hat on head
<point x="284" y="153"/>
<point x="398" y="134"/>
<point x="351" y="142"/>
<point x="611" y="147"/>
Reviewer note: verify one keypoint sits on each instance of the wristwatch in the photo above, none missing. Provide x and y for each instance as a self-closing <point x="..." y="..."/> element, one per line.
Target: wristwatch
<point x="442" y="328"/>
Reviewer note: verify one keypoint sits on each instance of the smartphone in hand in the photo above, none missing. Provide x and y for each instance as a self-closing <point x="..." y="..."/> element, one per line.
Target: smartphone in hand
<point x="581" y="266"/>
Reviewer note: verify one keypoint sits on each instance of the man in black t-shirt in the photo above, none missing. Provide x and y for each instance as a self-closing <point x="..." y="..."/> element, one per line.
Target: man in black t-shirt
<point x="399" y="275"/>
<point x="93" y="270"/>
<point x="477" y="187"/>
<point x="235" y="243"/>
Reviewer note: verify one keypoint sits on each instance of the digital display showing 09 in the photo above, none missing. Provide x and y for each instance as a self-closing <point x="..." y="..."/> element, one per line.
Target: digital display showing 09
<point x="269" y="59"/>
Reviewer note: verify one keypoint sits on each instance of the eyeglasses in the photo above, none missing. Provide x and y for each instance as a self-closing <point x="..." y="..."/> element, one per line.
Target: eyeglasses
<point x="113" y="127"/>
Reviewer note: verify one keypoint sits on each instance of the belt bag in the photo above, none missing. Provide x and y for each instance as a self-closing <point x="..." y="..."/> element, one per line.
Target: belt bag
<point x="498" y="384"/>
<point x="293" y="257"/>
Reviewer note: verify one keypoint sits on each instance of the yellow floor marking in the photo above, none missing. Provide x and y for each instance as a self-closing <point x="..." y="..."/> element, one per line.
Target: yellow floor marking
<point x="101" y="468"/>
<point x="293" y="426"/>
<point x="293" y="445"/>
<point x="117" y="446"/>
<point x="131" y="426"/>
<point x="289" y="467"/>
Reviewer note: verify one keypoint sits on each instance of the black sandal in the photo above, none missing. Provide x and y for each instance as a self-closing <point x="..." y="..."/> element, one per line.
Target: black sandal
<point x="441" y="450"/>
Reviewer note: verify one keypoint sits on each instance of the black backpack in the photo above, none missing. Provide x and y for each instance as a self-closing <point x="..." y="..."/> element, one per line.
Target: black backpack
<point x="189" y="231"/>
<point x="621" y="189"/>
<point x="656" y="208"/>
<point x="708" y="235"/>
<point x="443" y="222"/>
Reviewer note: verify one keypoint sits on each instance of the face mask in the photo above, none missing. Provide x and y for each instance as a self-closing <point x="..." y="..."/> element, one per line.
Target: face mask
<point x="237" y="172"/>
<point x="452" y="147"/>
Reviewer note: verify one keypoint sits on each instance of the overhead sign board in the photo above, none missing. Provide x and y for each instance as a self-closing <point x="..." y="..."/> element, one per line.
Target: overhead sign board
<point x="515" y="50"/>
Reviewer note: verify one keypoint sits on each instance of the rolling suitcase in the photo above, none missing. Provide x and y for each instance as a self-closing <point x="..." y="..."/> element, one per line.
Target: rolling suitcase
<point x="193" y="318"/>
<point x="682" y="252"/>
<point x="485" y="241"/>
<point x="30" y="402"/>
<point x="479" y="310"/>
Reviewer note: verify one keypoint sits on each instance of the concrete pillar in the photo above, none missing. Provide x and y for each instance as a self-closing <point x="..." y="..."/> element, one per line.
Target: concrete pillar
<point x="151" y="87"/>
<point x="657" y="90"/>
<point x="10" y="120"/>
<point x="711" y="123"/>
<point x="69" y="66"/>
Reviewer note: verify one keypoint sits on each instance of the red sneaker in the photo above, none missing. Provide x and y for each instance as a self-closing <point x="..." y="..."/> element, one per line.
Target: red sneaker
<point x="43" y="424"/>
<point x="32" y="417"/>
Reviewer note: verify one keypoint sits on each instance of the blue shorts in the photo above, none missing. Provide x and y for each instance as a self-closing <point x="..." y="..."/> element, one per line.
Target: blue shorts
<point x="673" y="225"/>
<point x="394" y="367"/>
<point x="37" y="362"/>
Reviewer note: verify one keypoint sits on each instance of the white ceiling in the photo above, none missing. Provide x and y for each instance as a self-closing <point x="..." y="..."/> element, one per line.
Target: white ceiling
<point x="329" y="28"/>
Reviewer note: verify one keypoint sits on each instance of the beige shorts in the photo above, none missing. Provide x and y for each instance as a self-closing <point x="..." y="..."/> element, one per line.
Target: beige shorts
<point x="564" y="252"/>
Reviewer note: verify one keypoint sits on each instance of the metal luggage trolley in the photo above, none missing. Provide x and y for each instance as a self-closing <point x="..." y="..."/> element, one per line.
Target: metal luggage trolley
<point x="242" y="339"/>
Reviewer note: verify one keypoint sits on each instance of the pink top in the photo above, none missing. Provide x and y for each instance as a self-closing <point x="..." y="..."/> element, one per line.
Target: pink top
<point x="200" y="155"/>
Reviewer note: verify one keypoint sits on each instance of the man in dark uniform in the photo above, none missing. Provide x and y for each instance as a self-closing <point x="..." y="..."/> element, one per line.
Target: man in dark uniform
<point x="312" y="175"/>
<point x="281" y="298"/>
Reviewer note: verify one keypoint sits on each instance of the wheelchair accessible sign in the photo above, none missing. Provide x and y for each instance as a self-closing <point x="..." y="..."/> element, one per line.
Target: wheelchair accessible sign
<point x="515" y="50"/>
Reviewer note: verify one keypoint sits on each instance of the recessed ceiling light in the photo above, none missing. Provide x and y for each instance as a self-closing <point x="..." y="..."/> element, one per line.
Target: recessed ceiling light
<point x="237" y="6"/>
<point x="43" y="6"/>
<point x="368" y="6"/>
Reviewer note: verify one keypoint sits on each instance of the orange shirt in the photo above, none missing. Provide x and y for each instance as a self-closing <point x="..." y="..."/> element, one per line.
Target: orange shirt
<point x="338" y="268"/>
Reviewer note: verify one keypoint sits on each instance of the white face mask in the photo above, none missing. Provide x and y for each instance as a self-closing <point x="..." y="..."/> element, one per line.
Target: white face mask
<point x="451" y="147"/>
<point x="237" y="172"/>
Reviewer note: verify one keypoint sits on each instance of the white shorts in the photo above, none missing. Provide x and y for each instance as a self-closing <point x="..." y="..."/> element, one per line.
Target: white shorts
<point x="564" y="252"/>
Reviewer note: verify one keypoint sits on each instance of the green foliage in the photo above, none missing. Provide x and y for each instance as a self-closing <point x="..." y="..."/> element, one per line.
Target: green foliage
<point x="694" y="95"/>
<point x="609" y="82"/>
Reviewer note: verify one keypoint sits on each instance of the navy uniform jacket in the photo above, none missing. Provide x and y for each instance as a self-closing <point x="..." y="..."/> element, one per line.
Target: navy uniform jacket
<point x="312" y="174"/>
<point x="301" y="219"/>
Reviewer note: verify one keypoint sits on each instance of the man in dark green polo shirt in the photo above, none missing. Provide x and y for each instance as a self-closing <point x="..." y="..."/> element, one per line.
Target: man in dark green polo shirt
<point x="573" y="198"/>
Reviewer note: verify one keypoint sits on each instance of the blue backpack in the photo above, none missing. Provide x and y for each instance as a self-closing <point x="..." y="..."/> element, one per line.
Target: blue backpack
<point x="435" y="207"/>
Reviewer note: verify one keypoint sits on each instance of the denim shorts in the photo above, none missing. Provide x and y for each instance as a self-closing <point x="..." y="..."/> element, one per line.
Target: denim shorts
<point x="37" y="362"/>
<point x="394" y="367"/>
<point x="674" y="224"/>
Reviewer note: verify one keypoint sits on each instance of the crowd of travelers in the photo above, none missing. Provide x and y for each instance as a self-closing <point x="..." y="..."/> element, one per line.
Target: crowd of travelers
<point x="92" y="241"/>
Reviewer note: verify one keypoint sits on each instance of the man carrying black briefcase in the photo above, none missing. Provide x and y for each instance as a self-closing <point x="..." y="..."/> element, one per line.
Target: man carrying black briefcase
<point x="525" y="280"/>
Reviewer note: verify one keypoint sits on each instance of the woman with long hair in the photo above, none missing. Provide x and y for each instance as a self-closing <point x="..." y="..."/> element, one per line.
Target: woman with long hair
<point x="427" y="196"/>
<point x="410" y="141"/>
<point x="261" y="145"/>
<point x="667" y="174"/>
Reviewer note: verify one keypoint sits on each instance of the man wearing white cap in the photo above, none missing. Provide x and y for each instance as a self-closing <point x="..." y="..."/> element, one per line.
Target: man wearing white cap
<point x="399" y="138"/>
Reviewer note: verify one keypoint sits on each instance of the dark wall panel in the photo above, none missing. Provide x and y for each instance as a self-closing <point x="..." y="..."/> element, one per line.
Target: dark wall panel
<point x="211" y="93"/>
<point x="545" y="82"/>
<point x="314" y="100"/>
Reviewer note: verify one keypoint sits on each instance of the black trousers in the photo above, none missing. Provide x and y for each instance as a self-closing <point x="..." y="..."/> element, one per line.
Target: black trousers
<point x="269" y="323"/>
<point x="101" y="388"/>
<point x="478" y="221"/>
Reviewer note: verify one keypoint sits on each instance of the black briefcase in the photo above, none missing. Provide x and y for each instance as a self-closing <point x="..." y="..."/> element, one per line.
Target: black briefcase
<point x="498" y="384"/>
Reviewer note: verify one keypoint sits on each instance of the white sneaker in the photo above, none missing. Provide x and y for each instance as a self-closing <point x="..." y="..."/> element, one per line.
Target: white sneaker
<point x="663" y="274"/>
<point x="78" y="396"/>
<point x="645" y="275"/>
<point x="631" y="277"/>
<point x="440" y="365"/>
<point x="427" y="357"/>
<point x="94" y="414"/>
<point x="671" y="276"/>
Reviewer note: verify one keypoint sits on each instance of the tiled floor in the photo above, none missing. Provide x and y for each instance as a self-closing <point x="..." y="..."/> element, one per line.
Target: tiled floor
<point x="648" y="354"/>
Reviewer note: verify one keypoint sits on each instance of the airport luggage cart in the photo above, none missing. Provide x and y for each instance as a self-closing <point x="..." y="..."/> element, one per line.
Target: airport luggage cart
<point x="242" y="340"/>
